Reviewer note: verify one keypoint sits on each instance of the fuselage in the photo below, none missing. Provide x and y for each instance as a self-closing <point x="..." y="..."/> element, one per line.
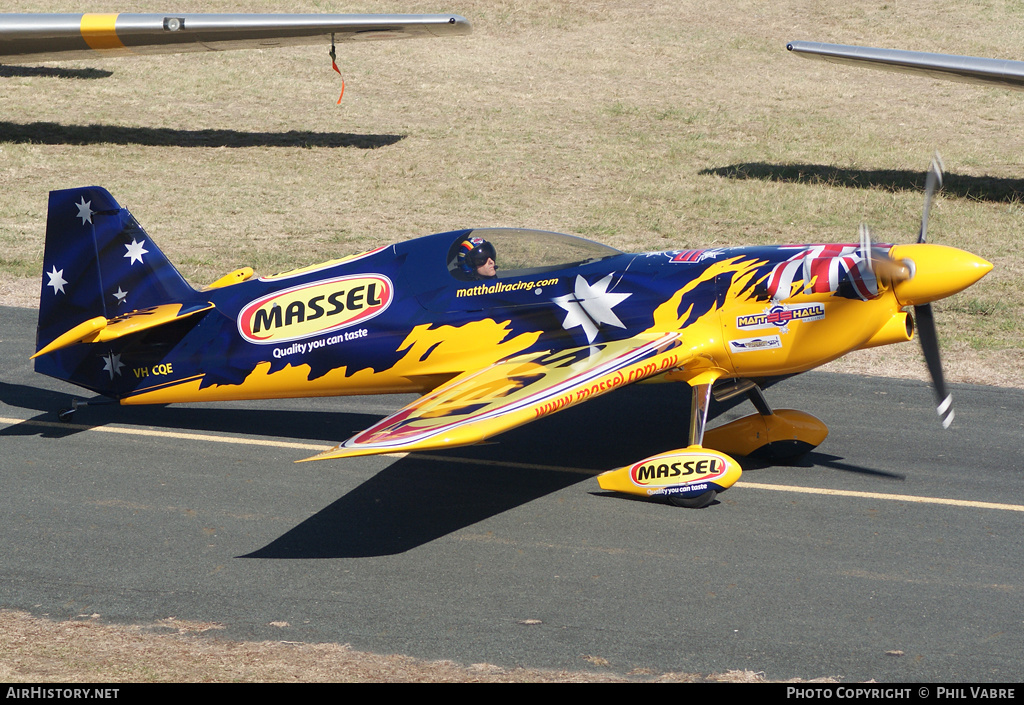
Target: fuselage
<point x="403" y="319"/>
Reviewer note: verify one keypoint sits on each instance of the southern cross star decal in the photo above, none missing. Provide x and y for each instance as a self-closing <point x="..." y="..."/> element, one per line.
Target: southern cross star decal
<point x="112" y="364"/>
<point x="84" y="211"/>
<point x="119" y="295"/>
<point x="591" y="306"/>
<point x="135" y="251"/>
<point x="57" y="280"/>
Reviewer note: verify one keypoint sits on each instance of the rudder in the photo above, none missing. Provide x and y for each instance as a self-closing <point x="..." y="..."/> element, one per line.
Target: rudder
<point x="97" y="261"/>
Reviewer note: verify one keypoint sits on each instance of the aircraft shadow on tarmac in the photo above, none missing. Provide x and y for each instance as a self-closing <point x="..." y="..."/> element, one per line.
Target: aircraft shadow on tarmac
<point x="322" y="426"/>
<point x="58" y="134"/>
<point x="817" y="459"/>
<point x="422" y="497"/>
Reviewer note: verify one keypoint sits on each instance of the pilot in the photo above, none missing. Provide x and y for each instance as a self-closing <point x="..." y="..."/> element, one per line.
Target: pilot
<point x="477" y="258"/>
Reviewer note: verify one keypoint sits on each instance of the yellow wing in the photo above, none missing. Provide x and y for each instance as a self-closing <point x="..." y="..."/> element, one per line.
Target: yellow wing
<point x="477" y="405"/>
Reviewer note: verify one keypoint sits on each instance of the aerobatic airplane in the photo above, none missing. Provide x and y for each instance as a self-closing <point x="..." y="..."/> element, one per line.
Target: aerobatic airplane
<point x="45" y="36"/>
<point x="493" y="327"/>
<point x="966" y="69"/>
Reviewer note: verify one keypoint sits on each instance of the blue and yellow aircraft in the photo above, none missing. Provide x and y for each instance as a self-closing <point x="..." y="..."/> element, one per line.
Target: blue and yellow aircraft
<point x="493" y="327"/>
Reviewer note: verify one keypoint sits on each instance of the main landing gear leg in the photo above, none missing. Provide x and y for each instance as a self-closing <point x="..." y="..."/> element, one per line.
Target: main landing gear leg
<point x="699" y="404"/>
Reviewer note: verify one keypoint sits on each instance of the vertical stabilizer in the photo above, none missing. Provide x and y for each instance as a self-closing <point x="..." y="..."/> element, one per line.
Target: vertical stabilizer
<point x="98" y="261"/>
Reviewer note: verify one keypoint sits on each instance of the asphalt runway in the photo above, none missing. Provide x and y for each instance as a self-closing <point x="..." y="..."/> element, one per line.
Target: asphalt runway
<point x="871" y="559"/>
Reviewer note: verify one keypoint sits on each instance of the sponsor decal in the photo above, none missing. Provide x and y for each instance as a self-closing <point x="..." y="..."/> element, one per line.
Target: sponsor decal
<point x="781" y="316"/>
<point x="302" y="348"/>
<point x="500" y="287"/>
<point x="315" y="308"/>
<point x="677" y="469"/>
<point x="636" y="373"/>
<point x="693" y="488"/>
<point x="768" y="342"/>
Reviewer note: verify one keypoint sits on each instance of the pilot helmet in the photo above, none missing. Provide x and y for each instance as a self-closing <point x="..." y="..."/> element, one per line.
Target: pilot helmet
<point x="474" y="252"/>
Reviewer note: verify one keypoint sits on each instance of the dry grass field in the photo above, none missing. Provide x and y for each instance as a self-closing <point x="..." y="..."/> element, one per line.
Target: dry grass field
<point x="666" y="124"/>
<point x="681" y="124"/>
<point x="175" y="651"/>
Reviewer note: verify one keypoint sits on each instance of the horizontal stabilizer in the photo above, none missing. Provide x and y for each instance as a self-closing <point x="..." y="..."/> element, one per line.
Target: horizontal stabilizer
<point x="100" y="329"/>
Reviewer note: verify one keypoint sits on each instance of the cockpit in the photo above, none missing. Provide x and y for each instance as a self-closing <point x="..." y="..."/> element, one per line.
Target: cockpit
<point x="517" y="252"/>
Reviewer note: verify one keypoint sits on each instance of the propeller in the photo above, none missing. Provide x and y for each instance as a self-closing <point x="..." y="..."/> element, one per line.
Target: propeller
<point x="889" y="271"/>
<point x="926" y="332"/>
<point x="923" y="316"/>
<point x="932" y="182"/>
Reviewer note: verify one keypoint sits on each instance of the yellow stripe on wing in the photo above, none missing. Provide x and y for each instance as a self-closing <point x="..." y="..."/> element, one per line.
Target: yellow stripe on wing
<point x="100" y="33"/>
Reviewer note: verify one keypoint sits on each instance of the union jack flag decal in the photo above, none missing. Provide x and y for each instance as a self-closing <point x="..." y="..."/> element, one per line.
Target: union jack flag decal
<point x="825" y="269"/>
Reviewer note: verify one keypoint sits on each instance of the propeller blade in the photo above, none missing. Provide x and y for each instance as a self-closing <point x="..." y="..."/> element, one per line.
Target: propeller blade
<point x="932" y="182"/>
<point x="865" y="240"/>
<point x="929" y="337"/>
<point x="925" y="318"/>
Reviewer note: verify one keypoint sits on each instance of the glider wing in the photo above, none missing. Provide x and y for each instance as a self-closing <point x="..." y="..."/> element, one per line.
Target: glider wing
<point x="44" y="36"/>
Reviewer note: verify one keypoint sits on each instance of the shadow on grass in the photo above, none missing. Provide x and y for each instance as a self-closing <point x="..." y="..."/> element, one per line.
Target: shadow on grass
<point x="978" y="188"/>
<point x="57" y="134"/>
<point x="52" y="72"/>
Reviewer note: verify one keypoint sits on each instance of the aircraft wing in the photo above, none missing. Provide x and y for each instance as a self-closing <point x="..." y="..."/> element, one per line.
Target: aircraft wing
<point x="967" y="69"/>
<point x="44" y="36"/>
<point x="476" y="405"/>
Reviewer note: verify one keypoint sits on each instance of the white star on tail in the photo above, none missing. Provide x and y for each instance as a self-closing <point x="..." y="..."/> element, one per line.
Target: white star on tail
<point x="591" y="306"/>
<point x="135" y="251"/>
<point x="56" y="280"/>
<point x="84" y="211"/>
<point x="119" y="295"/>
<point x="112" y="364"/>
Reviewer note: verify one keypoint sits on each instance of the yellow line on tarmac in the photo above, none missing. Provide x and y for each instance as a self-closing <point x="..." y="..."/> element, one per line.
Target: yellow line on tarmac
<point x="274" y="444"/>
<point x="166" y="434"/>
<point x="502" y="463"/>
<point x="879" y="495"/>
<point x="277" y="444"/>
<point x="525" y="466"/>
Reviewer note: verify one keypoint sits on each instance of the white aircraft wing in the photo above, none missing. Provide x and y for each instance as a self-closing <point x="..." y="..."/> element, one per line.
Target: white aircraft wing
<point x="968" y="69"/>
<point x="43" y="37"/>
